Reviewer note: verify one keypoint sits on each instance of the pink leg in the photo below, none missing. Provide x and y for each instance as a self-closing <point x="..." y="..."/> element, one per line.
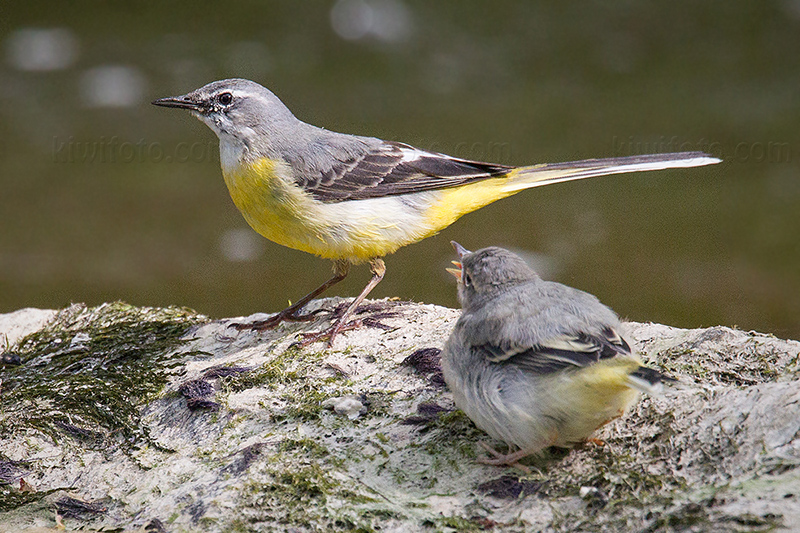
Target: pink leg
<point x="511" y="459"/>
<point x="378" y="269"/>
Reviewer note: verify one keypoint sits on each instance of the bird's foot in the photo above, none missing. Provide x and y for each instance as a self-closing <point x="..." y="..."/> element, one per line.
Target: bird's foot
<point x="287" y="315"/>
<point x="376" y="310"/>
<point x="509" y="459"/>
<point x="327" y="334"/>
<point x="591" y="441"/>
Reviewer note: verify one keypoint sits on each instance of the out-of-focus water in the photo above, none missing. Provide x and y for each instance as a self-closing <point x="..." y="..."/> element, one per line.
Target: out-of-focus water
<point x="104" y="197"/>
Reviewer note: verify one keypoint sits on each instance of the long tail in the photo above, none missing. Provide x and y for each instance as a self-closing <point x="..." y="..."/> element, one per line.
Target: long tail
<point x="538" y="175"/>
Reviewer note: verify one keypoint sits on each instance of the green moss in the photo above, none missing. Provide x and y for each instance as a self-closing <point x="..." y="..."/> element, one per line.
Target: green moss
<point x="619" y="475"/>
<point x="11" y="499"/>
<point x="452" y="430"/>
<point x="304" y="403"/>
<point x="305" y="484"/>
<point x="307" y="496"/>
<point x="288" y="373"/>
<point x="87" y="372"/>
<point x="382" y="514"/>
<point x="291" y="375"/>
<point x="289" y="366"/>
<point x="457" y="523"/>
<point x="766" y="359"/>
<point x="310" y="447"/>
<point x="301" y="450"/>
<point x="681" y="360"/>
<point x="378" y="402"/>
<point x="627" y="497"/>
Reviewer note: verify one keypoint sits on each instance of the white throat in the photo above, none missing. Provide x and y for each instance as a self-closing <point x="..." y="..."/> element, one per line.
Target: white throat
<point x="231" y="149"/>
<point x="231" y="153"/>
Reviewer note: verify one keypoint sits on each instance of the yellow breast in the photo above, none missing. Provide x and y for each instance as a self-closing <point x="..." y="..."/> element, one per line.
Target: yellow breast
<point x="356" y="230"/>
<point x="282" y="212"/>
<point x="271" y="204"/>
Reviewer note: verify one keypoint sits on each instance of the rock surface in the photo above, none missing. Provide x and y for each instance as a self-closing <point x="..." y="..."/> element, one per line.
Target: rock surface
<point x="130" y="419"/>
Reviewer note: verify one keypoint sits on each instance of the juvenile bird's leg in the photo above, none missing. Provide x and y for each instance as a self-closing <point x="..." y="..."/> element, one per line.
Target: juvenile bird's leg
<point x="510" y="459"/>
<point x="378" y="269"/>
<point x="291" y="313"/>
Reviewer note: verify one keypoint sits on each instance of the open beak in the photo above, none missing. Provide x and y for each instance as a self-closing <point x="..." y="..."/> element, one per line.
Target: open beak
<point x="461" y="251"/>
<point x="455" y="271"/>
<point x="180" y="102"/>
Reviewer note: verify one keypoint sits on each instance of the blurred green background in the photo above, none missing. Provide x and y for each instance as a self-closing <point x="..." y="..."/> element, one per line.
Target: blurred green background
<point x="104" y="197"/>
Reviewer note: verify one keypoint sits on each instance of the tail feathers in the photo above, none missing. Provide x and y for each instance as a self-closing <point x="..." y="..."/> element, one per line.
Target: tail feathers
<point x="648" y="380"/>
<point x="538" y="175"/>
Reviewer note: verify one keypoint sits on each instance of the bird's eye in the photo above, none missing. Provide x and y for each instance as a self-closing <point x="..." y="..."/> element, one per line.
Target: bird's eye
<point x="225" y="98"/>
<point x="466" y="280"/>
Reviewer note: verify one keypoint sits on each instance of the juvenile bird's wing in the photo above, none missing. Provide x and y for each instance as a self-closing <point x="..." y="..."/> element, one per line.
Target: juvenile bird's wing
<point x="391" y="168"/>
<point x="559" y="353"/>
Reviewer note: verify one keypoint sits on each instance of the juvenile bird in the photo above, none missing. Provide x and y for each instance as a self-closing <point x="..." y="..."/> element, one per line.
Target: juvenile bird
<point x="355" y="199"/>
<point x="535" y="363"/>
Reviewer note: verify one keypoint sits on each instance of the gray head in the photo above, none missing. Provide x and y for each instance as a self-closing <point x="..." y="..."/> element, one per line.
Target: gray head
<point x="251" y="123"/>
<point x="231" y="107"/>
<point x="246" y="117"/>
<point x="488" y="271"/>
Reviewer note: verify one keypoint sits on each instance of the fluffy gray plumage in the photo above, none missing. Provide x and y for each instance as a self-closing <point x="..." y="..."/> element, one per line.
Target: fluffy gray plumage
<point x="503" y="298"/>
<point x="533" y="362"/>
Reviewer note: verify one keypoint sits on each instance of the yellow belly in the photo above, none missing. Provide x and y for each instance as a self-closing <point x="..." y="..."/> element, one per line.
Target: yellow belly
<point x="355" y="230"/>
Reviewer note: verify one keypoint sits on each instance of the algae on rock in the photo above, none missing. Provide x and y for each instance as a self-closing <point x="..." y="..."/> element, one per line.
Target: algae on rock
<point x="87" y="373"/>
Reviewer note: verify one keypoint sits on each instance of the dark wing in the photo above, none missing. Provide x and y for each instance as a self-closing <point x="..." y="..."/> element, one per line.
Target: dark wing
<point x="395" y="168"/>
<point x="558" y="353"/>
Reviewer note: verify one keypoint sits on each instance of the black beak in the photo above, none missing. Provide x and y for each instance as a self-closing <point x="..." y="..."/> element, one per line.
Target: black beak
<point x="181" y="102"/>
